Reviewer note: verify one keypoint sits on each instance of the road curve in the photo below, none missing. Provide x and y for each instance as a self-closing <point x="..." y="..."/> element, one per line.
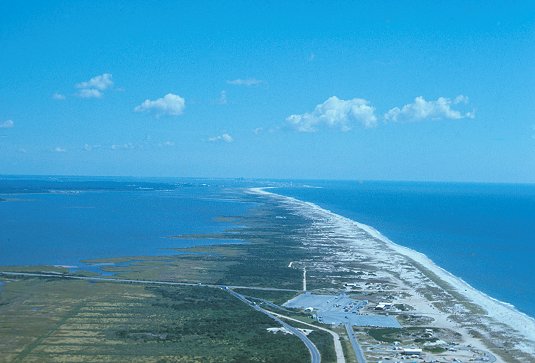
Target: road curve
<point x="336" y="338"/>
<point x="315" y="356"/>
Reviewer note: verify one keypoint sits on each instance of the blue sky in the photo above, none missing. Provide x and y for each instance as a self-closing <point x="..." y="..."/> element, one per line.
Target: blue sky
<point x="390" y="90"/>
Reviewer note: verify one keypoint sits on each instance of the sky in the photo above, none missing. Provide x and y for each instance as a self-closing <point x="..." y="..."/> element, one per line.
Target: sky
<point x="367" y="90"/>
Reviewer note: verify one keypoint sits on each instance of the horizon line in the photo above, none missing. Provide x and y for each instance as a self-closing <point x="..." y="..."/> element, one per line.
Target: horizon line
<point x="357" y="180"/>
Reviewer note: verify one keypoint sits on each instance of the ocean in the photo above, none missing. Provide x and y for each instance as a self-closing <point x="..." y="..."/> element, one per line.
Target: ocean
<point x="482" y="233"/>
<point x="64" y="220"/>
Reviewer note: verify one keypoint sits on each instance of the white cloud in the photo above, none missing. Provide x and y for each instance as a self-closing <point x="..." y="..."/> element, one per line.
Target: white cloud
<point x="58" y="96"/>
<point x="245" y="82"/>
<point x="335" y="113"/>
<point x="170" y="104"/>
<point x="60" y="149"/>
<point x="224" y="137"/>
<point x="258" y="130"/>
<point x="101" y="82"/>
<point x="7" y="124"/>
<point x="95" y="87"/>
<point x="421" y="109"/>
<point x="89" y="93"/>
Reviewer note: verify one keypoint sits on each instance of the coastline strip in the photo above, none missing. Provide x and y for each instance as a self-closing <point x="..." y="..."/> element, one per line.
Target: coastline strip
<point x="502" y="312"/>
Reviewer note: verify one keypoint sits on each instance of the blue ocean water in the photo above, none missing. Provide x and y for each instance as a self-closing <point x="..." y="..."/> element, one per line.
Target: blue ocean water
<point x="61" y="221"/>
<point x="482" y="233"/>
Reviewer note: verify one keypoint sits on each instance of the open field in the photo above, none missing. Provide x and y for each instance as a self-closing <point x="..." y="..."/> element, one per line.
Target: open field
<point x="60" y="320"/>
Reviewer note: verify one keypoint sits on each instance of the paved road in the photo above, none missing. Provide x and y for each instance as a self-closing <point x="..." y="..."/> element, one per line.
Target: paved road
<point x="356" y="346"/>
<point x="315" y="356"/>
<point x="336" y="338"/>
<point x="268" y="303"/>
<point x="133" y="281"/>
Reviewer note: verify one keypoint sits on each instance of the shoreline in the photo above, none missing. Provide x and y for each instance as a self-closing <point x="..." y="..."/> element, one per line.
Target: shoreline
<point x="495" y="308"/>
<point x="501" y="312"/>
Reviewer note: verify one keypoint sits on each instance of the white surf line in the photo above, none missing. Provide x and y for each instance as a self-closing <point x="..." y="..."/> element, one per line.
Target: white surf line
<point x="336" y="338"/>
<point x="500" y="311"/>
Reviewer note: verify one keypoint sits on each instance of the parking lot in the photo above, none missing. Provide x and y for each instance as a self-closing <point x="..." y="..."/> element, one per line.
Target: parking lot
<point x="340" y="309"/>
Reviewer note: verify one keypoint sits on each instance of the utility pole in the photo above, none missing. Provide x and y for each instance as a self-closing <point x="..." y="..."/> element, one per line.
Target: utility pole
<point x="304" y="279"/>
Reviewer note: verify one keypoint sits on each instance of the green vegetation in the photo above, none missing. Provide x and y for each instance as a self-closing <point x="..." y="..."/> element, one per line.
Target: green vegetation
<point x="425" y="340"/>
<point x="36" y="268"/>
<point x="182" y="268"/>
<point x="387" y="335"/>
<point x="324" y="342"/>
<point x="403" y="307"/>
<point x="405" y="335"/>
<point x="347" y="348"/>
<point x="435" y="350"/>
<point x="413" y="336"/>
<point x="104" y="321"/>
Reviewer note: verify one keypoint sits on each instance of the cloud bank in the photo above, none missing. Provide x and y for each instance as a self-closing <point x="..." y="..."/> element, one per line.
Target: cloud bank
<point x="170" y="104"/>
<point x="335" y="113"/>
<point x="421" y="109"/>
<point x="342" y="114"/>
